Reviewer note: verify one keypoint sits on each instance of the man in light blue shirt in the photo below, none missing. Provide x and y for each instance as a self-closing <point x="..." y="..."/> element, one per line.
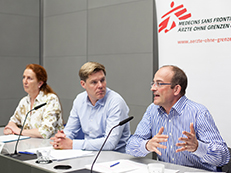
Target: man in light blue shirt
<point x="95" y="111"/>
<point x="179" y="130"/>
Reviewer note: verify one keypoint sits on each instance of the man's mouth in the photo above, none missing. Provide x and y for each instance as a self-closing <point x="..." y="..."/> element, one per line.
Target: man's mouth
<point x="156" y="95"/>
<point x="100" y="92"/>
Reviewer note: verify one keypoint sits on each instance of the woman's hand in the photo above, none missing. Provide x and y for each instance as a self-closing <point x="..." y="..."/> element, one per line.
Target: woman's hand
<point x="7" y="131"/>
<point x="11" y="128"/>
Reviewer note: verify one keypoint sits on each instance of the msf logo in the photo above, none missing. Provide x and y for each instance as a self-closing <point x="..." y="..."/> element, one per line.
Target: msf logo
<point x="178" y="11"/>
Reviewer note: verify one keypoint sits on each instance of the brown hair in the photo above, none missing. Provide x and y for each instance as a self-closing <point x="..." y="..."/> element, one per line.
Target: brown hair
<point x="179" y="78"/>
<point x="90" y="68"/>
<point x="41" y="75"/>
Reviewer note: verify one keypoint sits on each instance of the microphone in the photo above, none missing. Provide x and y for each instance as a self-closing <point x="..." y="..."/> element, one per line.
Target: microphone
<point x="39" y="106"/>
<point x="35" y="108"/>
<point x="120" y="124"/>
<point x="125" y="121"/>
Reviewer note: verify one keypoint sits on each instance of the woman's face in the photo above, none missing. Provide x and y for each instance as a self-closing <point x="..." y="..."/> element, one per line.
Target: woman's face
<point x="30" y="82"/>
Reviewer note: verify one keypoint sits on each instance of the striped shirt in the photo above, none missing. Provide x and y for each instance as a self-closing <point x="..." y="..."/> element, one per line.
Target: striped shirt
<point x="212" y="151"/>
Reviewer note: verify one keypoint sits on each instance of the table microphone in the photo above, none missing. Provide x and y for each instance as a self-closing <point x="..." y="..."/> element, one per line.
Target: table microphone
<point x="120" y="124"/>
<point x="35" y="108"/>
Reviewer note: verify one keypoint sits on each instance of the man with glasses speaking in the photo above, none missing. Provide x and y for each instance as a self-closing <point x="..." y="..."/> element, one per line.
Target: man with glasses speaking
<point x="179" y="130"/>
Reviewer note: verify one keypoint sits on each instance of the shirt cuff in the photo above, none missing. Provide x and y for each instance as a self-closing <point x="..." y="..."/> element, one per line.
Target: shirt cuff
<point x="201" y="149"/>
<point x="77" y="144"/>
<point x="143" y="147"/>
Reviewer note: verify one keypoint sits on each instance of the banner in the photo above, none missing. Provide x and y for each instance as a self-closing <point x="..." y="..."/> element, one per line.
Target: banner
<point x="196" y="36"/>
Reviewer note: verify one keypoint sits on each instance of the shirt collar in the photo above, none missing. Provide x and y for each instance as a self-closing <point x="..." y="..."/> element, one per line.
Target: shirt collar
<point x="178" y="106"/>
<point x="37" y="99"/>
<point x="100" y="102"/>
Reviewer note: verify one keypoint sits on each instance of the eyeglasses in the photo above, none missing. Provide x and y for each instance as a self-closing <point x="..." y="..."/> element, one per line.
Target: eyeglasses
<point x="159" y="84"/>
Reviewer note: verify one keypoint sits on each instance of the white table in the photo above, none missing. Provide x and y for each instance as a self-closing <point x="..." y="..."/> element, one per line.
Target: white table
<point x="12" y="165"/>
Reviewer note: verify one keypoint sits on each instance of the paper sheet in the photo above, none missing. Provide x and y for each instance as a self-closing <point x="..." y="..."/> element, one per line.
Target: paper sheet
<point x="62" y="154"/>
<point x="124" y="165"/>
<point x="11" y="138"/>
<point x="145" y="170"/>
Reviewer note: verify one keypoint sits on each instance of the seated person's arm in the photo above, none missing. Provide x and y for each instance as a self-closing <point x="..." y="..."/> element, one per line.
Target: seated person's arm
<point x="11" y="128"/>
<point x="34" y="133"/>
<point x="140" y="143"/>
<point x="211" y="148"/>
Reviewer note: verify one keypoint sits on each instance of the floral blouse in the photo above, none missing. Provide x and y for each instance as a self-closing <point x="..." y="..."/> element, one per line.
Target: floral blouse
<point x="47" y="119"/>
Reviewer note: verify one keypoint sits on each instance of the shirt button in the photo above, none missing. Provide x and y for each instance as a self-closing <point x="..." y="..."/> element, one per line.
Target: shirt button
<point x="172" y="159"/>
<point x="170" y="134"/>
<point x="170" y="121"/>
<point x="171" y="146"/>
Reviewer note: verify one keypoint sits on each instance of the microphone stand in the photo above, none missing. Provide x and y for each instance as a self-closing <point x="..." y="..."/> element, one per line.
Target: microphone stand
<point x="120" y="124"/>
<point x="15" y="154"/>
<point x="102" y="147"/>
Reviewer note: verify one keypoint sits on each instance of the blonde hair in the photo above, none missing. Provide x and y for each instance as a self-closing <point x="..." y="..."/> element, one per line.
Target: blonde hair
<point x="90" y="68"/>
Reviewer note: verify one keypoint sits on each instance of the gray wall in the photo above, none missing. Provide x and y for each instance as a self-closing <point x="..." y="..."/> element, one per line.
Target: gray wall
<point x="116" y="33"/>
<point x="19" y="45"/>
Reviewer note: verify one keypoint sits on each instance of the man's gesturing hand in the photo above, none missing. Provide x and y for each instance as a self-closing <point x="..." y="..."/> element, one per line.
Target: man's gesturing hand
<point x="153" y="143"/>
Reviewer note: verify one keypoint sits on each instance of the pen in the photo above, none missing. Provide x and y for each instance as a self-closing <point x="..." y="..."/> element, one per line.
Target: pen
<point x="115" y="164"/>
<point x="25" y="152"/>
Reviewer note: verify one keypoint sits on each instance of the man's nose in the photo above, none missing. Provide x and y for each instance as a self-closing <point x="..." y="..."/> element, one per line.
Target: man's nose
<point x="100" y="84"/>
<point x="153" y="87"/>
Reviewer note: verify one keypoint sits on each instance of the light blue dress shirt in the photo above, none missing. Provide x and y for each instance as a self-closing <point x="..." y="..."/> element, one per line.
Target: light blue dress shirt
<point x="212" y="151"/>
<point x="96" y="122"/>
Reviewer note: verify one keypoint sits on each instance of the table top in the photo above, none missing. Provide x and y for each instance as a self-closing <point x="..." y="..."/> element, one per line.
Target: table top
<point x="79" y="163"/>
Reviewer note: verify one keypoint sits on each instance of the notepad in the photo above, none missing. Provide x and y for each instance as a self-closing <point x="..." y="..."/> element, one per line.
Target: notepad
<point x="56" y="154"/>
<point x="11" y="138"/>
